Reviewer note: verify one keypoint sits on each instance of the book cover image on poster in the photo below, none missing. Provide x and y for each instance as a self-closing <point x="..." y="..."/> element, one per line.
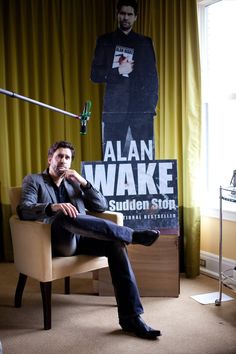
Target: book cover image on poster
<point x="122" y="53"/>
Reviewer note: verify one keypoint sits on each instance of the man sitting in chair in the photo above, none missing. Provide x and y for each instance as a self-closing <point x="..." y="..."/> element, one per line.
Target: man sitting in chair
<point x="60" y="196"/>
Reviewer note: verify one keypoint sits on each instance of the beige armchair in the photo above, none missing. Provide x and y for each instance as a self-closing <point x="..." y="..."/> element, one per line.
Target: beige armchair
<point x="33" y="256"/>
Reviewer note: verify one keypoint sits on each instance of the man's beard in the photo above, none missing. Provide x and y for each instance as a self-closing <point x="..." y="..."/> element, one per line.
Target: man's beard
<point x="125" y="26"/>
<point x="59" y="170"/>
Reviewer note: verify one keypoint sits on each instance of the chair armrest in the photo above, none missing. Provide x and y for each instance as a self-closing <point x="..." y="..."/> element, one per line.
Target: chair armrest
<point x="110" y="215"/>
<point x="32" y="248"/>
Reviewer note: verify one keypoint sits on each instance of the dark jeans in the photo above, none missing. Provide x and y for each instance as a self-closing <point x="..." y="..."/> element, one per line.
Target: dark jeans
<point x="94" y="236"/>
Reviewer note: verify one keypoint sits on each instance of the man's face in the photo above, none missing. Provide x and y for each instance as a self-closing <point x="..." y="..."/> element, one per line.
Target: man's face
<point x="126" y="18"/>
<point x="60" y="161"/>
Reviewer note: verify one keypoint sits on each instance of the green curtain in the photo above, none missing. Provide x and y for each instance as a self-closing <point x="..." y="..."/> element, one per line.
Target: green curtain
<point x="46" y="50"/>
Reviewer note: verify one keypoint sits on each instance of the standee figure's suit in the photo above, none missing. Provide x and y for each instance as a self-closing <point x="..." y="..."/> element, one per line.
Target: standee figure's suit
<point x="129" y="101"/>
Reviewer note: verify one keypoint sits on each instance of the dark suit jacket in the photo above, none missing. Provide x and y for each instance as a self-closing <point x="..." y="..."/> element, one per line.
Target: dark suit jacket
<point x="139" y="91"/>
<point x="38" y="193"/>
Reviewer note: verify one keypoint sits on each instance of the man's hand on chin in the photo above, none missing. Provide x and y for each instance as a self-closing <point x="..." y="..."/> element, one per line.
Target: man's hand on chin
<point x="75" y="177"/>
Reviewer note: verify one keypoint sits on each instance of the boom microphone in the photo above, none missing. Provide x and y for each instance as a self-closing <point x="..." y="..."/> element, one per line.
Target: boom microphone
<point x="84" y="117"/>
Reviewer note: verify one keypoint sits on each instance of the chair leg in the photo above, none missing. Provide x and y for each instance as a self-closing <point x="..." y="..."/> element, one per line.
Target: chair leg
<point x="95" y="274"/>
<point x="67" y="285"/>
<point x="46" y="292"/>
<point x="19" y="289"/>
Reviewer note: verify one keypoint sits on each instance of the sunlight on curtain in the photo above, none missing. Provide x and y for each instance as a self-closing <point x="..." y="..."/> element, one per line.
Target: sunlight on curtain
<point x="46" y="52"/>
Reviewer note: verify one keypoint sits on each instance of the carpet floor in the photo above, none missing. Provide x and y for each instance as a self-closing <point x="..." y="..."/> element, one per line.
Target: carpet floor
<point x="87" y="324"/>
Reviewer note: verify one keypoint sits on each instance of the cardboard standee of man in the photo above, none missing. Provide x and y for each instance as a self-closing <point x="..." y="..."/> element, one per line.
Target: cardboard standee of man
<point x="125" y="61"/>
<point x="143" y="189"/>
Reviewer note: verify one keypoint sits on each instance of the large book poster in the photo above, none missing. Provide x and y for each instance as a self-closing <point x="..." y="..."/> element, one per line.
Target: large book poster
<point x="144" y="191"/>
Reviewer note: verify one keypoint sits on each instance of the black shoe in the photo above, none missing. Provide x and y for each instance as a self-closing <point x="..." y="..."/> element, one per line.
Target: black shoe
<point x="139" y="327"/>
<point x="146" y="238"/>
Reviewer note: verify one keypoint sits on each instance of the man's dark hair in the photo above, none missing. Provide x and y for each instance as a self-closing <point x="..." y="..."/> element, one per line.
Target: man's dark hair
<point x="61" y="144"/>
<point x="132" y="3"/>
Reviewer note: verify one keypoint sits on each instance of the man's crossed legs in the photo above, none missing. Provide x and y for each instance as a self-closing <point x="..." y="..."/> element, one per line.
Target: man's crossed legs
<point x="95" y="236"/>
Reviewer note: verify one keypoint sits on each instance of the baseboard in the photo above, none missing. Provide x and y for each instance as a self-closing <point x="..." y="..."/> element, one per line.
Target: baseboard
<point x="211" y="266"/>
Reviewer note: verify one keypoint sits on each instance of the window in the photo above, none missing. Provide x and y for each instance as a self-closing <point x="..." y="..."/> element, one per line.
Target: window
<point x="217" y="27"/>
